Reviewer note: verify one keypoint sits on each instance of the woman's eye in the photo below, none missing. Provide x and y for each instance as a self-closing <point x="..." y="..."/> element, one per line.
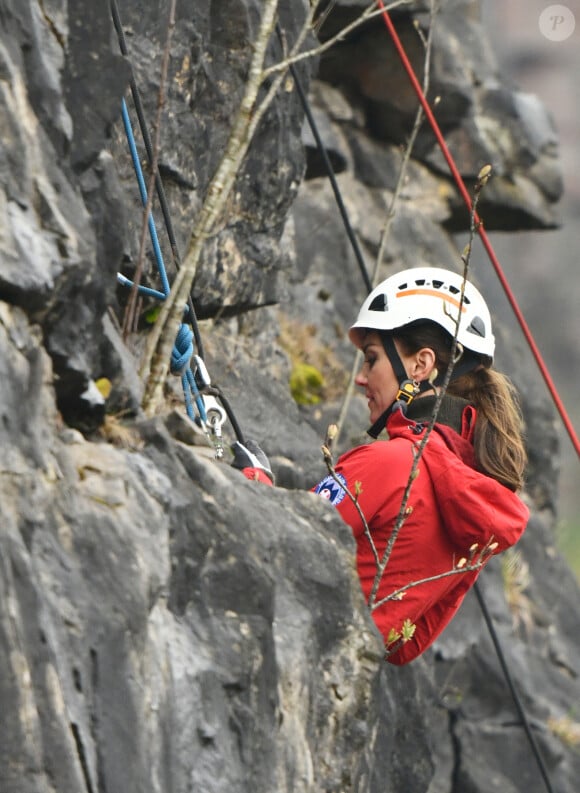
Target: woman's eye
<point x="370" y="360"/>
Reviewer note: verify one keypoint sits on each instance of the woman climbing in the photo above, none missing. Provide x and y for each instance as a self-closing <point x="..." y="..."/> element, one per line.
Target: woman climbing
<point x="464" y="499"/>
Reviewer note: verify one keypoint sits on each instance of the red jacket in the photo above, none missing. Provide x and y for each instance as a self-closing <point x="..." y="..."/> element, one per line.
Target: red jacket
<point x="453" y="506"/>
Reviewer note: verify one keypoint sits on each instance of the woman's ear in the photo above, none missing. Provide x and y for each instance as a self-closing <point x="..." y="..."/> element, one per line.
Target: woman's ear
<point x="424" y="362"/>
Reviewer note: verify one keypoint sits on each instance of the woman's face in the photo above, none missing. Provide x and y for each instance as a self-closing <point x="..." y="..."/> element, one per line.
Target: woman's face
<point x="377" y="376"/>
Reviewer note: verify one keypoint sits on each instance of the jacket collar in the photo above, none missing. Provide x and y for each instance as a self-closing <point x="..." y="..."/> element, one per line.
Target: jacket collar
<point x="455" y="425"/>
<point x="450" y="411"/>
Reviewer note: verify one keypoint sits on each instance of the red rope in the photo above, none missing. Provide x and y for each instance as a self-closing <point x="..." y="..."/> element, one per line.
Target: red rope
<point x="484" y="238"/>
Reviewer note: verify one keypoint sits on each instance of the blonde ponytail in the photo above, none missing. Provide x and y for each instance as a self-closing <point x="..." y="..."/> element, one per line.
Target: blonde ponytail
<point x="498" y="439"/>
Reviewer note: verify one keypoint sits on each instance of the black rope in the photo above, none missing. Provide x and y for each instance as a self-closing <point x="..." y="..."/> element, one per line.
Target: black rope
<point x="165" y="210"/>
<point x="216" y="391"/>
<point x="358" y="255"/>
<point x="330" y="171"/>
<point x="507" y="674"/>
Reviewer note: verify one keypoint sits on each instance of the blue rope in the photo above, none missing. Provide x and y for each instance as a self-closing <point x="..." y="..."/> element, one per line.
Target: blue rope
<point x="143" y="290"/>
<point x="143" y="192"/>
<point x="180" y="365"/>
<point x="183" y="348"/>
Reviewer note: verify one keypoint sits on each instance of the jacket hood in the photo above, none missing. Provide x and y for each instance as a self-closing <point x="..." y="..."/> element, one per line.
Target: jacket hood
<point x="474" y="507"/>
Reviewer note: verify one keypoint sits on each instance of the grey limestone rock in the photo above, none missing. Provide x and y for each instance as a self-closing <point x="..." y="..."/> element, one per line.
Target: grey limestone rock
<point x="166" y="625"/>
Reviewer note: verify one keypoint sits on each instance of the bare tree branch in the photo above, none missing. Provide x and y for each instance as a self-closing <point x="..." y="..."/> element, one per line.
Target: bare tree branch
<point x="428" y="44"/>
<point x="371" y="12"/>
<point x="467" y="567"/>
<point x="327" y="454"/>
<point x="319" y="21"/>
<point x="155" y="364"/>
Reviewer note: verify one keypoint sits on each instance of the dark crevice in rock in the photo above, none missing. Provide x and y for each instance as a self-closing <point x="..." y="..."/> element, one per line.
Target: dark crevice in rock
<point x="456" y="786"/>
<point x="171" y="174"/>
<point x="52" y="25"/>
<point x="94" y="720"/>
<point x="77" y="678"/>
<point x="82" y="756"/>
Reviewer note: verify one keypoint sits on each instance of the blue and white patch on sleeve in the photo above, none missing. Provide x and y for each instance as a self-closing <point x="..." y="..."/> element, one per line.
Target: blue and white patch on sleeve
<point x="331" y="490"/>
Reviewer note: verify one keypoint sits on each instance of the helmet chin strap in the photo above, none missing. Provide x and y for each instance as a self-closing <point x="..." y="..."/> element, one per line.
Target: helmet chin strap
<point x="465" y="361"/>
<point x="408" y="389"/>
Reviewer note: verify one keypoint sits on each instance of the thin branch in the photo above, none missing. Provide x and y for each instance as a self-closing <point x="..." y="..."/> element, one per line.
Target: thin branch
<point x="155" y="364"/>
<point x="130" y="316"/>
<point x="327" y="454"/>
<point x="319" y="21"/>
<point x="467" y="567"/>
<point x="371" y="12"/>
<point x="428" y="45"/>
<point x="482" y="179"/>
<point x="394" y="201"/>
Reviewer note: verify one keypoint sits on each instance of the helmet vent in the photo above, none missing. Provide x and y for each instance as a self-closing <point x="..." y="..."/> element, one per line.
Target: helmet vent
<point x="379" y="303"/>
<point x="477" y="326"/>
<point x="437" y="284"/>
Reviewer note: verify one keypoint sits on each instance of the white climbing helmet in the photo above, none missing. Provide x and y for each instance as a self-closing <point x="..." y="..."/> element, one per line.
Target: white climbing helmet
<point x="428" y="293"/>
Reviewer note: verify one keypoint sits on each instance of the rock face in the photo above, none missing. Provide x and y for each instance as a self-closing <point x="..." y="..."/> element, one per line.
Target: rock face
<point x="166" y="625"/>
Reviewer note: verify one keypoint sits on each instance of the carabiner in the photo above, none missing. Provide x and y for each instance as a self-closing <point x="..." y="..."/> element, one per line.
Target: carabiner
<point x="216" y="415"/>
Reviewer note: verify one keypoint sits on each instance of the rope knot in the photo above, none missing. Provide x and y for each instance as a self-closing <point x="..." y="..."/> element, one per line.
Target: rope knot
<point x="182" y="350"/>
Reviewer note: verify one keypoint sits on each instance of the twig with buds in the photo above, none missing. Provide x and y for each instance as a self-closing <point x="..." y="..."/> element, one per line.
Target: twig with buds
<point x="327" y="454"/>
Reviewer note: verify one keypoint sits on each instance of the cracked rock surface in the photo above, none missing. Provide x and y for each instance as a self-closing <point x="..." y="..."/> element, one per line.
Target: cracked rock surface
<point x="166" y="625"/>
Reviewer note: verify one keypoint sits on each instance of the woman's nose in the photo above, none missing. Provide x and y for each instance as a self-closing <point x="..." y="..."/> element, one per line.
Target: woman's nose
<point x="360" y="379"/>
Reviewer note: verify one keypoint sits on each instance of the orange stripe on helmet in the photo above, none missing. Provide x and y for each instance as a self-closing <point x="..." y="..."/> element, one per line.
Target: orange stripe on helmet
<point x="431" y="293"/>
